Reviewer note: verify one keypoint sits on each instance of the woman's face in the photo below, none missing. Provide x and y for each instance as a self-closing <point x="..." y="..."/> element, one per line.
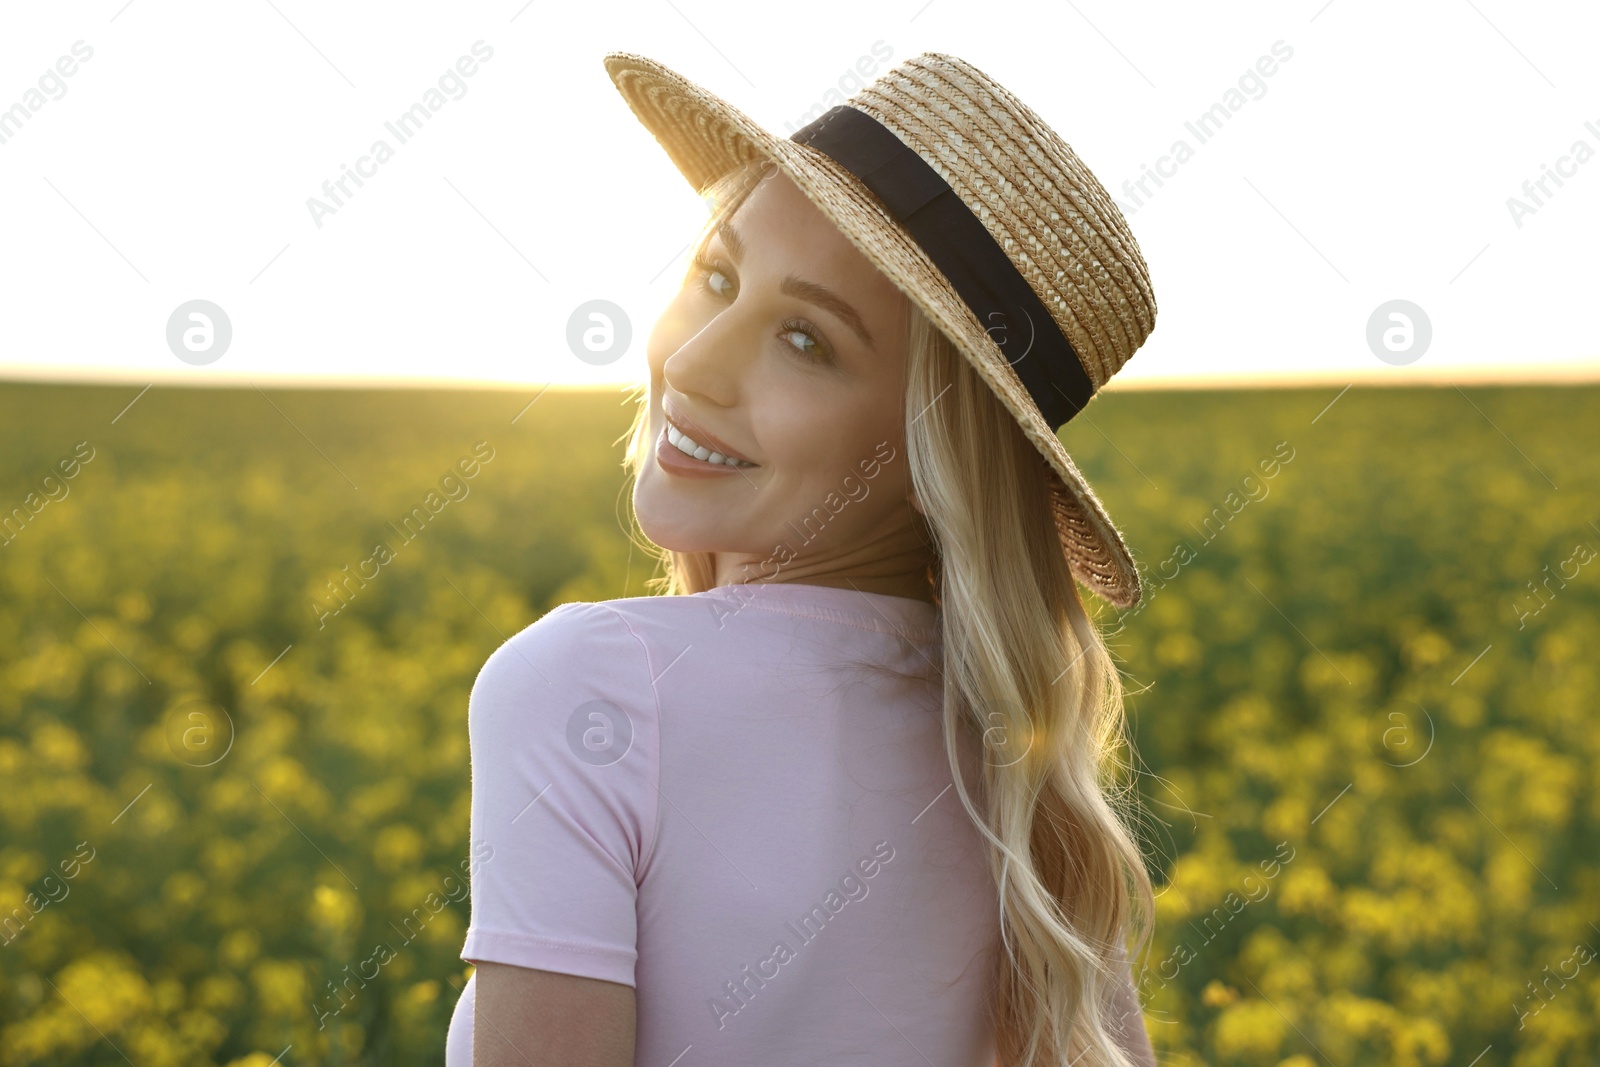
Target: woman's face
<point x="788" y="347"/>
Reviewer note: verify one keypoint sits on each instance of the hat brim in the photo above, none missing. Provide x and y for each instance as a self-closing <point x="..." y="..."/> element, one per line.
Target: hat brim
<point x="706" y="137"/>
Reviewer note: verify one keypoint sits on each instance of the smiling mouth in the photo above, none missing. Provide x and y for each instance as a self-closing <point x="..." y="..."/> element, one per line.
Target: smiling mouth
<point x="692" y="449"/>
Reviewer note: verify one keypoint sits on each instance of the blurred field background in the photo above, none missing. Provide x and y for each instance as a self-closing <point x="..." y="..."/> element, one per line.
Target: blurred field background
<point x="1364" y="702"/>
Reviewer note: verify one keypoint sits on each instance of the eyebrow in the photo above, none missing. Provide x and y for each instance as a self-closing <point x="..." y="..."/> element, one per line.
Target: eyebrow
<point x="811" y="292"/>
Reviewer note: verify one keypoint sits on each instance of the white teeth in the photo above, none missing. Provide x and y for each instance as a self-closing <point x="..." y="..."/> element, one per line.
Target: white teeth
<point x="686" y="444"/>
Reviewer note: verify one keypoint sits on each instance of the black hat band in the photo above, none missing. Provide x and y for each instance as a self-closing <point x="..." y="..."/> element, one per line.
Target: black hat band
<point x="964" y="252"/>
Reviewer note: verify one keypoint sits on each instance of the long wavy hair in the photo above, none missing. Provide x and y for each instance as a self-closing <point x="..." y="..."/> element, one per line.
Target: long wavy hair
<point x="1026" y="673"/>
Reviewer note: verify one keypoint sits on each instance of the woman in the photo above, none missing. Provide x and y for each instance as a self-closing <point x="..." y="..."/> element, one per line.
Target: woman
<point x="848" y="793"/>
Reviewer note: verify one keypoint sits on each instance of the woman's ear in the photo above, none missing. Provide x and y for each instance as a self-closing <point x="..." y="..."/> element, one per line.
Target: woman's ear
<point x="916" y="504"/>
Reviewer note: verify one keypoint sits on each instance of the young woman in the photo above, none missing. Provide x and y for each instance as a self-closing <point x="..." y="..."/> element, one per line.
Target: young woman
<point x="850" y="792"/>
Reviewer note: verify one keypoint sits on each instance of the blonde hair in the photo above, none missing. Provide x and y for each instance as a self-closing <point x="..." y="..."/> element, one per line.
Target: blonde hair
<point x="1026" y="672"/>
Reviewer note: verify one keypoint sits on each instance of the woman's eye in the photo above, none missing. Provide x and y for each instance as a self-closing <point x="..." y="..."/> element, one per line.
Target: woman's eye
<point x="711" y="277"/>
<point x="804" y="342"/>
<point x="799" y="335"/>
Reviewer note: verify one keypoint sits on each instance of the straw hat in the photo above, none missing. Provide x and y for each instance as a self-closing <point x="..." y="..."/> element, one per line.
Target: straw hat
<point x="969" y="203"/>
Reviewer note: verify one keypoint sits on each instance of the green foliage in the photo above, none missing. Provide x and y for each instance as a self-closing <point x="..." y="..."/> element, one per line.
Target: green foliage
<point x="1363" y="692"/>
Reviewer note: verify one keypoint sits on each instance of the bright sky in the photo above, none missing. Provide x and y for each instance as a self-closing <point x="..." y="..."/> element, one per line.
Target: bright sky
<point x="1375" y="163"/>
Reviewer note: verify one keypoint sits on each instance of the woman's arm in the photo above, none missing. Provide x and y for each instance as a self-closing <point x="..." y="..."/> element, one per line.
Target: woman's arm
<point x="531" y="1018"/>
<point x="555" y="889"/>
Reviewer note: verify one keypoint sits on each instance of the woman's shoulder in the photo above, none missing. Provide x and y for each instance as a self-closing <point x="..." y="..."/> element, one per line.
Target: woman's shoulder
<point x="595" y="645"/>
<point x="593" y="618"/>
<point x="569" y="694"/>
<point x="649" y="620"/>
<point x="627" y="640"/>
<point x="578" y="664"/>
<point x="576" y="649"/>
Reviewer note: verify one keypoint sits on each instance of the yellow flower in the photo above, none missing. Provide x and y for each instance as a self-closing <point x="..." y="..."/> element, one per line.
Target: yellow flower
<point x="420" y="995"/>
<point x="239" y="947"/>
<point x="219" y="992"/>
<point x="58" y="747"/>
<point x="107" y="987"/>
<point x="281" y="988"/>
<point x="397" y="848"/>
<point x="334" y="911"/>
<point x="253" y="1059"/>
<point x="1250" y="1028"/>
<point x="182" y="889"/>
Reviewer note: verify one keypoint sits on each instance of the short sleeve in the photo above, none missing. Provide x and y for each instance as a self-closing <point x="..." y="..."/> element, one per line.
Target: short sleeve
<point x="562" y="722"/>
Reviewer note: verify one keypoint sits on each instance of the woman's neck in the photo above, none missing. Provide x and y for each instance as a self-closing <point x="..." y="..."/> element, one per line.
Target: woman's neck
<point x="909" y="578"/>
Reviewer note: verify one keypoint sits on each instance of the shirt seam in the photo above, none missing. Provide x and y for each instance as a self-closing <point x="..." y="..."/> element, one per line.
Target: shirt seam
<point x="547" y="941"/>
<point x="922" y="634"/>
<point x="647" y="851"/>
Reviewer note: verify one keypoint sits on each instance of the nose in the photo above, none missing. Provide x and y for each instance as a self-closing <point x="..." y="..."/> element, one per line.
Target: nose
<point x="712" y="362"/>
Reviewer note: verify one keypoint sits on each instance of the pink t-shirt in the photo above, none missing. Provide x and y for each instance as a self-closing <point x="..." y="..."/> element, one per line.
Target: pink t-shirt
<point x="714" y="799"/>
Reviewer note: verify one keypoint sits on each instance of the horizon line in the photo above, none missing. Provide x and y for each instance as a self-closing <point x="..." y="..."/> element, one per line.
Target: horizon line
<point x="1538" y="374"/>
